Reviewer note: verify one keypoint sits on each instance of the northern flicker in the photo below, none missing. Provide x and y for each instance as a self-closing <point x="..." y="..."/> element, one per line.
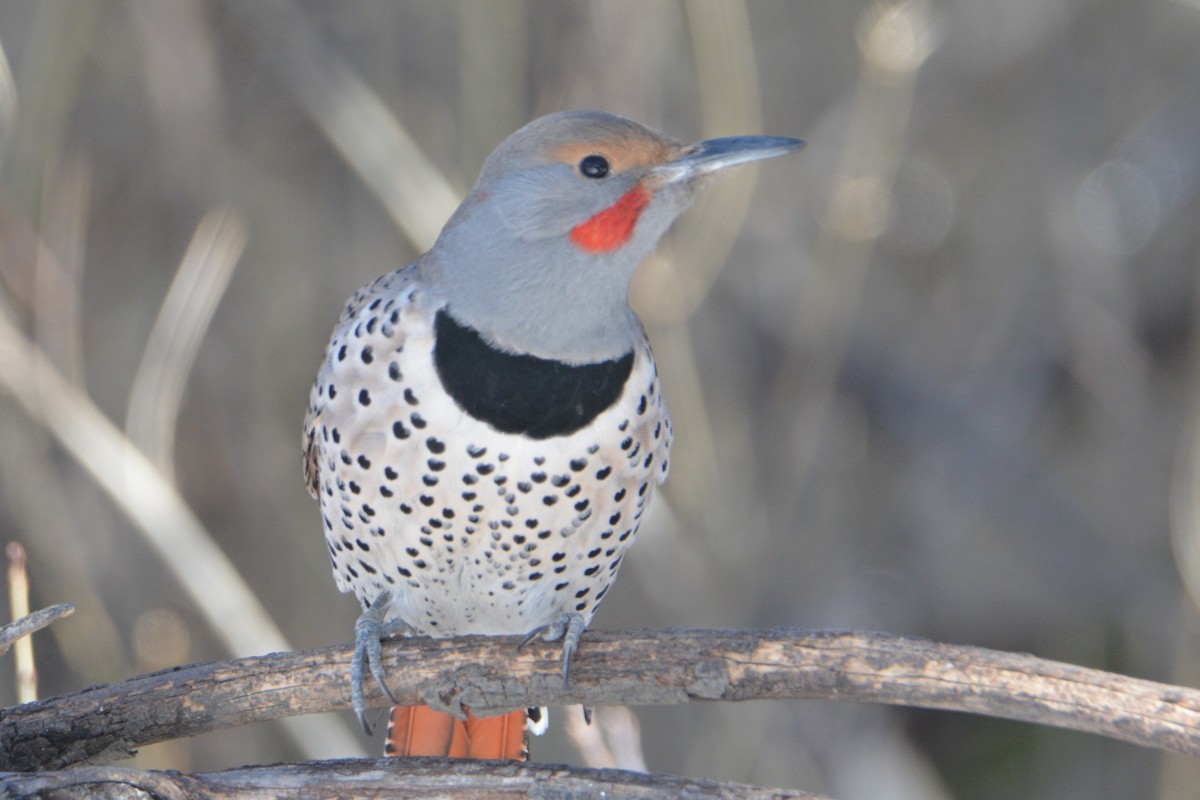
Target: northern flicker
<point x="488" y="426"/>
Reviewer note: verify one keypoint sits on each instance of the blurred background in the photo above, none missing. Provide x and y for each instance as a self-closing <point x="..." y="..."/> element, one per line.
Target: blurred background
<point x="933" y="376"/>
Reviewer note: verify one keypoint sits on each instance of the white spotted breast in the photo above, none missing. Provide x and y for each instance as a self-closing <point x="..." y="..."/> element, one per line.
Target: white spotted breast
<point x="475" y="531"/>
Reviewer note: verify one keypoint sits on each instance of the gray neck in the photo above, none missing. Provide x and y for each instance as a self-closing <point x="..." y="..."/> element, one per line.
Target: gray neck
<point x="544" y="297"/>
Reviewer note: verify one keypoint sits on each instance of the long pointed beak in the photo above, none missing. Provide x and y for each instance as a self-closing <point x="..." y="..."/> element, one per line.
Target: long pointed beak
<point x="711" y="155"/>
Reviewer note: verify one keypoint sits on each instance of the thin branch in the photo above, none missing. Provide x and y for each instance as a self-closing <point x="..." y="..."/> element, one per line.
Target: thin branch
<point x="32" y="622"/>
<point x="382" y="778"/>
<point x="637" y="668"/>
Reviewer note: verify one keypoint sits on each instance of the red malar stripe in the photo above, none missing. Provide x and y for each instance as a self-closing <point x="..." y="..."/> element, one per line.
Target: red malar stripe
<point x="612" y="227"/>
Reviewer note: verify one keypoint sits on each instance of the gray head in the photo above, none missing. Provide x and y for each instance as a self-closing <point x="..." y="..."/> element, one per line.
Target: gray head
<point x="539" y="257"/>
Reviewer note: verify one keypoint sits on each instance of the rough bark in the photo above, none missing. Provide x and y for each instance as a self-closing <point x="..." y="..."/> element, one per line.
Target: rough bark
<point x="637" y="668"/>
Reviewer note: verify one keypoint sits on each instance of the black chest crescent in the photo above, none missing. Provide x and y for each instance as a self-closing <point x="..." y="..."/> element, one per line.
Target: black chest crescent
<point x="523" y="394"/>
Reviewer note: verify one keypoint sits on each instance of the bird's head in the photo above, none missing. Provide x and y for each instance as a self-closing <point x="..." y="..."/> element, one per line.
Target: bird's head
<point x="539" y="256"/>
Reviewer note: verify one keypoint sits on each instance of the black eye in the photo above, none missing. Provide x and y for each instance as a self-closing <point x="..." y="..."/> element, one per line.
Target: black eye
<point x="594" y="166"/>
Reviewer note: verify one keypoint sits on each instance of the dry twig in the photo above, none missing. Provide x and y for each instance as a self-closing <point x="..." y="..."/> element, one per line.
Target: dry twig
<point x="33" y="622"/>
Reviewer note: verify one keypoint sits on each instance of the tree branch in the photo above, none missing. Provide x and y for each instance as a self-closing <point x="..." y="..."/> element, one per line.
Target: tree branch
<point x="638" y="668"/>
<point x="380" y="778"/>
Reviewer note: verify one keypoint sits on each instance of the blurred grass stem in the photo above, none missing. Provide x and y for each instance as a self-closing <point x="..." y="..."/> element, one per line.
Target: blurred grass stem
<point x="158" y="387"/>
<point x="18" y="603"/>
<point x="155" y="506"/>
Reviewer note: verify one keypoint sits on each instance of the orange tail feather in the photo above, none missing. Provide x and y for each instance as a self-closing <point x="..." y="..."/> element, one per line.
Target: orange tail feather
<point x="421" y="731"/>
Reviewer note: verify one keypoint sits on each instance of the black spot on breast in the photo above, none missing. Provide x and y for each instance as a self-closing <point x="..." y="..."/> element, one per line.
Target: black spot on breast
<point x="518" y="393"/>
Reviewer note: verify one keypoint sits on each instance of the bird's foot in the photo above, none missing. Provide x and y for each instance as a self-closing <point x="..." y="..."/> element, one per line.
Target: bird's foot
<point x="569" y="627"/>
<point x="372" y="627"/>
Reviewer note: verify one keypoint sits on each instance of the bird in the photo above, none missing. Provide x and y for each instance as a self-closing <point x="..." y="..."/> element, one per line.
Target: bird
<point x="487" y="427"/>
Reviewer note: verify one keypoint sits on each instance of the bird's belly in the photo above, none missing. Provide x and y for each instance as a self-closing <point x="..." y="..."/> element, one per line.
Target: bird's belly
<point x="498" y="546"/>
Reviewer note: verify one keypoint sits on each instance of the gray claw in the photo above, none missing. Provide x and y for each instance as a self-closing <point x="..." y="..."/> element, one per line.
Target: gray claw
<point x="569" y="627"/>
<point x="371" y="627"/>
